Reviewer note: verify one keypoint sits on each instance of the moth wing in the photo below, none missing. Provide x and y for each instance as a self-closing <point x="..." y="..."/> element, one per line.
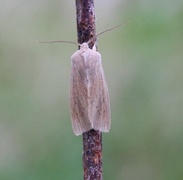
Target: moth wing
<point x="78" y="95"/>
<point x="99" y="103"/>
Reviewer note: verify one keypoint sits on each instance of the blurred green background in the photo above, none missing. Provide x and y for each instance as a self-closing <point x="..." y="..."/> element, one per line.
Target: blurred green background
<point x="143" y="63"/>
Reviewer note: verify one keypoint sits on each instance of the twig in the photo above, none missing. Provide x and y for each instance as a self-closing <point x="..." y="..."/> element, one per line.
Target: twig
<point x="92" y="140"/>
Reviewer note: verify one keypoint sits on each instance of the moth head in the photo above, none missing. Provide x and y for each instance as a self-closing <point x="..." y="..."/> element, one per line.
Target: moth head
<point x="84" y="45"/>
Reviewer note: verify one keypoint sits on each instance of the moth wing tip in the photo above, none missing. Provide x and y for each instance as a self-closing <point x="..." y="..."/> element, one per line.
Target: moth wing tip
<point x="105" y="130"/>
<point x="77" y="134"/>
<point x="81" y="131"/>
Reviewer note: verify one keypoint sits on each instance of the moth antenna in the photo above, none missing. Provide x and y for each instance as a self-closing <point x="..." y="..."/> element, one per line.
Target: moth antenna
<point x="95" y="46"/>
<point x="58" y="41"/>
<point x="109" y="29"/>
<point x="90" y="40"/>
<point x="102" y="32"/>
<point x="71" y="42"/>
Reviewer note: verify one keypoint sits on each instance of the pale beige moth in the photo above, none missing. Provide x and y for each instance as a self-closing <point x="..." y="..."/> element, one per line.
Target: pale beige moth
<point x="89" y="97"/>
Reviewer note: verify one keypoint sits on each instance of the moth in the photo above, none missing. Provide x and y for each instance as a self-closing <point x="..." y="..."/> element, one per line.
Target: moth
<point x="89" y="97"/>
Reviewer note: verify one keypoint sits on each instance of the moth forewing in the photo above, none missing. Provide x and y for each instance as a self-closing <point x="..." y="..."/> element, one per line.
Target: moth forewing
<point x="89" y="99"/>
<point x="78" y="96"/>
<point x="98" y="98"/>
<point x="103" y="118"/>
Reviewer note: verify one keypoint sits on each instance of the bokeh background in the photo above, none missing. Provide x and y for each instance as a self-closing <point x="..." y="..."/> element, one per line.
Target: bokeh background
<point x="143" y="63"/>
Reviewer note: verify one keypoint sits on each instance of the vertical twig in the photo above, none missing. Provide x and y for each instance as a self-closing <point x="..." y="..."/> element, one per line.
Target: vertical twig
<point x="92" y="140"/>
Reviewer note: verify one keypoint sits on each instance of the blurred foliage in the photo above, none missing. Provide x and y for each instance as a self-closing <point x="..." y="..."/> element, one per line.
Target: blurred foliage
<point x="143" y="63"/>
